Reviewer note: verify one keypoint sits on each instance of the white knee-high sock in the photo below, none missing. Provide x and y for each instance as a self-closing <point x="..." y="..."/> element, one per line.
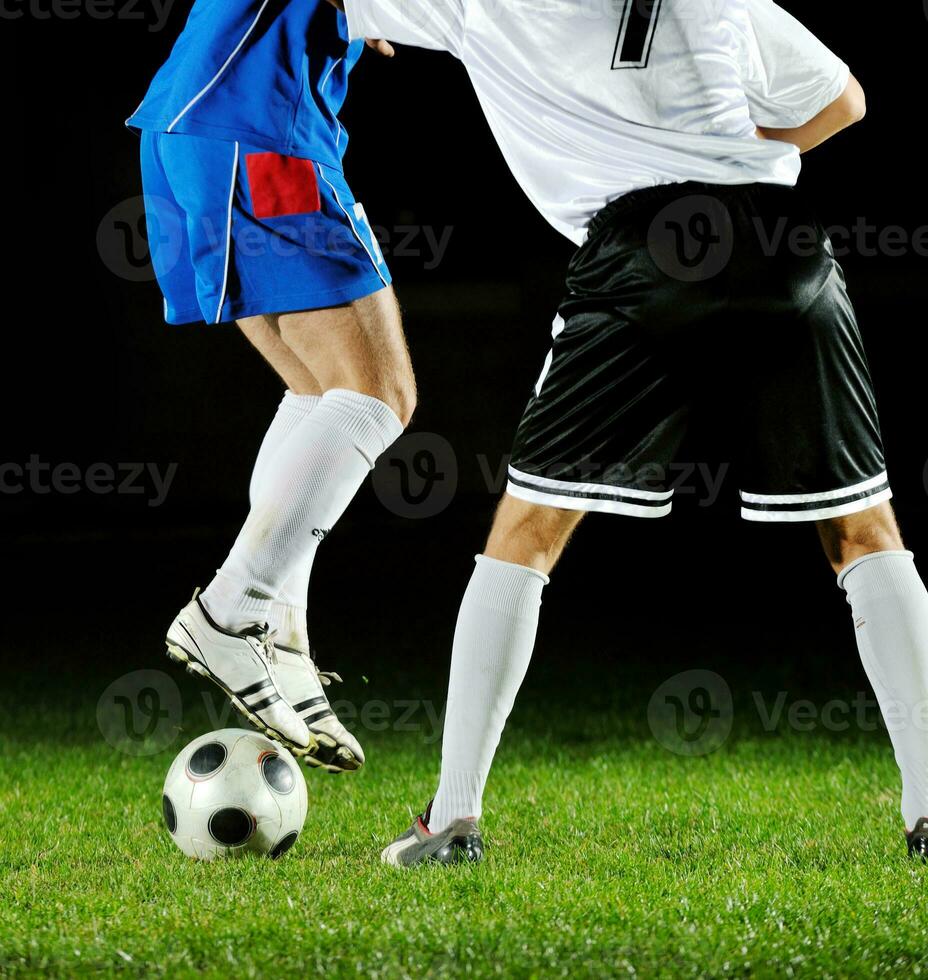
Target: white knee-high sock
<point x="288" y="610"/>
<point x="890" y="606"/>
<point x="290" y="411"/>
<point x="308" y="483"/>
<point x="493" y="644"/>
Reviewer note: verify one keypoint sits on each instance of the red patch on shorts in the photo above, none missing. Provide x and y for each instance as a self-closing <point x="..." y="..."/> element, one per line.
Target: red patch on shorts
<point x="281" y="185"/>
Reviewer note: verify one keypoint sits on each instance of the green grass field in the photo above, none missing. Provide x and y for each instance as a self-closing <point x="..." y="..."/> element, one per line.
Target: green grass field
<point x="778" y="855"/>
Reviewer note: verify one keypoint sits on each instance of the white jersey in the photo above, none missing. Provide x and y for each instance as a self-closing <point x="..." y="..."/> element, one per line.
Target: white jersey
<point x="592" y="99"/>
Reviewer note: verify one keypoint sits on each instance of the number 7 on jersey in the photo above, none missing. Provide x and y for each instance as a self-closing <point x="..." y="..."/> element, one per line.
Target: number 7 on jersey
<point x="636" y="33"/>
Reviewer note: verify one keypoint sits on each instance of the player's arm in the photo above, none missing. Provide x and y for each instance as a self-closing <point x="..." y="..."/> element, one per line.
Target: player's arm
<point x="849" y="108"/>
<point x="797" y="89"/>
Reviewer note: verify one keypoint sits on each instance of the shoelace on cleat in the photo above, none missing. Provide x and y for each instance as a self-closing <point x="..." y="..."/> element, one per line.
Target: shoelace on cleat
<point x="270" y="652"/>
<point x="265" y="646"/>
<point x="269" y="644"/>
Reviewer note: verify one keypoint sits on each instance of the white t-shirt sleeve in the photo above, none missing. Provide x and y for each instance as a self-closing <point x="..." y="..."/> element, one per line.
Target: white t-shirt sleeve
<point x="790" y="76"/>
<point x="436" y="24"/>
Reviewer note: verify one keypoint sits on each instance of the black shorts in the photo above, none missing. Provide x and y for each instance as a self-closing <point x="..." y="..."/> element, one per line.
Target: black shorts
<point x="693" y="294"/>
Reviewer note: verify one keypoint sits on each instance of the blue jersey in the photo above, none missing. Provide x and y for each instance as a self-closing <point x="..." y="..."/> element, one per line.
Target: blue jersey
<point x="271" y="73"/>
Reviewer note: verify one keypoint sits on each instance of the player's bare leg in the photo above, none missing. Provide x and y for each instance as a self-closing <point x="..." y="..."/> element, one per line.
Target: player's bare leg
<point x="359" y="348"/>
<point x="531" y="535"/>
<point x="263" y="332"/>
<point x="493" y="643"/>
<point x="845" y="539"/>
<point x="351" y="393"/>
<point x="890" y="607"/>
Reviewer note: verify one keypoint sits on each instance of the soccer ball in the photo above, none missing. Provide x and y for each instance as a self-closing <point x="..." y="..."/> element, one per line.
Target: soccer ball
<point x="234" y="792"/>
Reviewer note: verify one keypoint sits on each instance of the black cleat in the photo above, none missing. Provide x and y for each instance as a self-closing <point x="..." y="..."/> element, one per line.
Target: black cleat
<point x="459" y="843"/>
<point x="918" y="840"/>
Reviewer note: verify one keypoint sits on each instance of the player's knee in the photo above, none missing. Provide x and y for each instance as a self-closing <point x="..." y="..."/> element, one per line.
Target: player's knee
<point x="392" y="384"/>
<point x="406" y="400"/>
<point x="400" y="394"/>
<point x="530" y="534"/>
<point x="846" y="539"/>
<point x="403" y="405"/>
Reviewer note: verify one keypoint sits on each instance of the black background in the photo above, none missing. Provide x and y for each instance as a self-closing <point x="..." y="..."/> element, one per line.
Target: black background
<point x="91" y="374"/>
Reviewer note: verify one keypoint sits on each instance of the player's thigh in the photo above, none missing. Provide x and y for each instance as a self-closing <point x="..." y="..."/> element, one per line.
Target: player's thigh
<point x="359" y="346"/>
<point x="530" y="534"/>
<point x="264" y="335"/>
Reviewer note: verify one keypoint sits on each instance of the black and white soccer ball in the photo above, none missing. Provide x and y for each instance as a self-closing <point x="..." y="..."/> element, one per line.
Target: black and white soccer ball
<point x="234" y="792"/>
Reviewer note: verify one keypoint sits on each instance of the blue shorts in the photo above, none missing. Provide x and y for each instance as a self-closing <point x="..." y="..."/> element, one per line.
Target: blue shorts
<point x="237" y="231"/>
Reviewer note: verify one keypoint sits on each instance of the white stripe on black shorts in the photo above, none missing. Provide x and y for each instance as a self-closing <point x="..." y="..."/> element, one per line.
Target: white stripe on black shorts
<point x="815" y="506"/>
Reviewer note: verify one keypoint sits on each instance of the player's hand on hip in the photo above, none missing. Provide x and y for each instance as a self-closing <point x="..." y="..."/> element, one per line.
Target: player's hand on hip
<point x="381" y="46"/>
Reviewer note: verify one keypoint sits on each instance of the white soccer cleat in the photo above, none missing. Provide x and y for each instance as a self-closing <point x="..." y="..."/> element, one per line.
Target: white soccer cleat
<point x="243" y="665"/>
<point x="303" y="686"/>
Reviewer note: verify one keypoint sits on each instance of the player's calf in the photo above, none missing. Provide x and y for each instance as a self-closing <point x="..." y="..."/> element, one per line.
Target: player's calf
<point x="889" y="603"/>
<point x="493" y="643"/>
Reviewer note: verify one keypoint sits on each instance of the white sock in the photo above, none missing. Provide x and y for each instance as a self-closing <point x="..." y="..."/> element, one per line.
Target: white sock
<point x="890" y="606"/>
<point x="288" y="610"/>
<point x="493" y="644"/>
<point x="311" y="479"/>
